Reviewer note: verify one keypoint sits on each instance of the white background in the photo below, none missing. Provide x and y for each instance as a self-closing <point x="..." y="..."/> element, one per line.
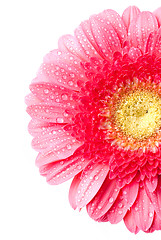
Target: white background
<point x="30" y="208"/>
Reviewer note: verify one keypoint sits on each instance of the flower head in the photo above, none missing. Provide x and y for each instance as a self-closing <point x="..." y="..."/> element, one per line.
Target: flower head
<point x="96" y="116"/>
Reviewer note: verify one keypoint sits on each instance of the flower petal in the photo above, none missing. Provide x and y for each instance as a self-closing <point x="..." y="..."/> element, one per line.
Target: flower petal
<point x="85" y="39"/>
<point x="157" y="44"/>
<point x="117" y="23"/>
<point x="104" y="199"/>
<point x="48" y="113"/>
<point x="91" y="180"/>
<point x="140" y="29"/>
<point x="69" y="43"/>
<point x="54" y="138"/>
<point x="129" y="15"/>
<point x="130" y="223"/>
<point x="54" y="94"/>
<point x="105" y="36"/>
<point x="134" y="53"/>
<point x="143" y="211"/>
<point x="156" y="225"/>
<point x="61" y="68"/>
<point x="124" y="201"/>
<point x="151" y="184"/>
<point x="30" y="99"/>
<point x="37" y="128"/>
<point x="73" y="190"/>
<point x="157" y="14"/>
<point x="60" y="150"/>
<point x="61" y="171"/>
<point x="155" y="197"/>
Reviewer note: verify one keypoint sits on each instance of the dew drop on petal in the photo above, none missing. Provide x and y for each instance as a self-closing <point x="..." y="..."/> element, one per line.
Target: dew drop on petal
<point x="69" y="146"/>
<point x="99" y="207"/>
<point x="111" y="200"/>
<point x="120" y="205"/>
<point x="70" y="83"/>
<point x="46" y="91"/>
<point x="65" y="114"/>
<point x="96" y="178"/>
<point x="59" y="120"/>
<point x="64" y="96"/>
<point x="79" y="167"/>
<point x="150" y="214"/>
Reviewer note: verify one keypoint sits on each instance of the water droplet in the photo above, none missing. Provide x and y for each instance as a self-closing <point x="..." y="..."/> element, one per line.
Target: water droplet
<point x="46" y="91"/>
<point x="79" y="167"/>
<point x="59" y="120"/>
<point x="64" y="96"/>
<point x="69" y="146"/>
<point x="120" y="212"/>
<point x="99" y="207"/>
<point x="111" y="200"/>
<point x="120" y="205"/>
<point x="72" y="75"/>
<point x="70" y="83"/>
<point x="136" y="209"/>
<point x="150" y="214"/>
<point x="66" y="114"/>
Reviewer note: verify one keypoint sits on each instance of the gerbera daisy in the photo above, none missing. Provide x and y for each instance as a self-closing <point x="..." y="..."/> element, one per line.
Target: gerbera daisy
<point x="96" y="116"/>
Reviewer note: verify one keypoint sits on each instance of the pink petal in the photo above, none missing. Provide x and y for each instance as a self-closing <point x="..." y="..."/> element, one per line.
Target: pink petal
<point x="151" y="42"/>
<point x="105" y="36"/>
<point x="73" y="190"/>
<point x="60" y="171"/>
<point x="156" y="225"/>
<point x="30" y="99"/>
<point x="54" y="94"/>
<point x="103" y="200"/>
<point x="37" y="128"/>
<point x="51" y="114"/>
<point x="62" y="150"/>
<point x="124" y="201"/>
<point x="130" y="223"/>
<point x="151" y="184"/>
<point x="153" y="45"/>
<point x="129" y="15"/>
<point x="134" y="53"/>
<point x="155" y="197"/>
<point x="157" y="14"/>
<point x="61" y="69"/>
<point x="69" y="43"/>
<point x="86" y="41"/>
<point x="157" y="44"/>
<point x="140" y="29"/>
<point x="91" y="180"/>
<point x="55" y="138"/>
<point x="117" y="23"/>
<point x="143" y="211"/>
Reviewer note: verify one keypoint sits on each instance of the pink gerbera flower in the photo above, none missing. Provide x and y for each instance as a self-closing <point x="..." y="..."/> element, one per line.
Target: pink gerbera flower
<point x="96" y="116"/>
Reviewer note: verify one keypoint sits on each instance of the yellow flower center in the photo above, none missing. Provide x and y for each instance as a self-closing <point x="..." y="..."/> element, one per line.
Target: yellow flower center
<point x="138" y="114"/>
